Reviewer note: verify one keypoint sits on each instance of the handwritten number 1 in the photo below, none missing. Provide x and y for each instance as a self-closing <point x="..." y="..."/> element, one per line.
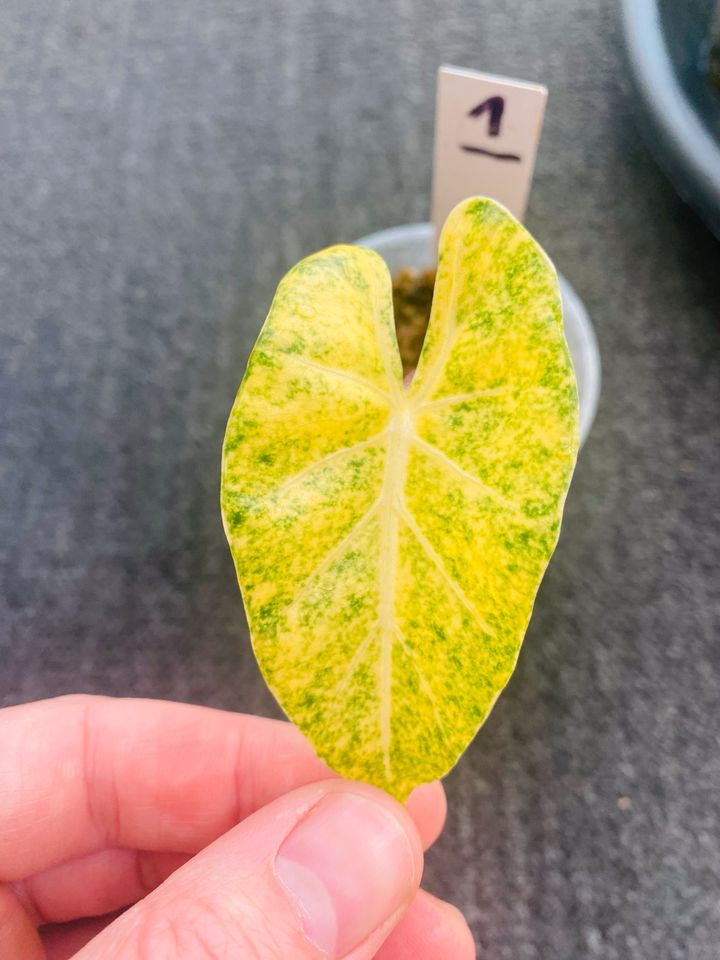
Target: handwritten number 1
<point x="495" y="107"/>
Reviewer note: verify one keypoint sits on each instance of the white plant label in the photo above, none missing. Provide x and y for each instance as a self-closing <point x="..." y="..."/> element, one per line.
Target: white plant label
<point x="487" y="131"/>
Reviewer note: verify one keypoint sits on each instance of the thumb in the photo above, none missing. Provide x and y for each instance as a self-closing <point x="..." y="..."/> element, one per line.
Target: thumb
<point x="323" y="872"/>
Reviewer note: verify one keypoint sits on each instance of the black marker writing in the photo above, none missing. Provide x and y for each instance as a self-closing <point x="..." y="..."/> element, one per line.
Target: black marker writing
<point x="496" y="107"/>
<point x="489" y="153"/>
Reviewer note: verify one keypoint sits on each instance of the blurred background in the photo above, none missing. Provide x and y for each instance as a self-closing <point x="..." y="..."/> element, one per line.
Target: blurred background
<point x="162" y="164"/>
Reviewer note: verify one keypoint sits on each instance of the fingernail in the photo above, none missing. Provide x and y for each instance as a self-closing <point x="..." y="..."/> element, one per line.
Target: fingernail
<point x="346" y="867"/>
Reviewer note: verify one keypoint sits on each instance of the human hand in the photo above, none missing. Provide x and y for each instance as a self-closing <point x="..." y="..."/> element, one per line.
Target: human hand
<point x="225" y="832"/>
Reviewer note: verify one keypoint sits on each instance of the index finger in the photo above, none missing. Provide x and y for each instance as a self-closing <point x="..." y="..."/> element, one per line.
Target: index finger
<point x="79" y="774"/>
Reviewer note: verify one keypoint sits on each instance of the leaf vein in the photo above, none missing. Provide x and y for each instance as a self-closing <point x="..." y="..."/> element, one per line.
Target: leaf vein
<point x="342" y="374"/>
<point x="394" y="387"/>
<point x="331" y="556"/>
<point x="355" y="662"/>
<point x="311" y="467"/>
<point x="451" y="334"/>
<point x="433" y="555"/>
<point x="462" y="397"/>
<point x="491" y="494"/>
<point x="424" y="683"/>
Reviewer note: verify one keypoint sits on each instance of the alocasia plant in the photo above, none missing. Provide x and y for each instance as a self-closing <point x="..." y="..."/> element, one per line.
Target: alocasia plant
<point x="389" y="541"/>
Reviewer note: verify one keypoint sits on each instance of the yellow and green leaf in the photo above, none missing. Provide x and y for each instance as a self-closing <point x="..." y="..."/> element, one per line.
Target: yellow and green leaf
<point x="389" y="541"/>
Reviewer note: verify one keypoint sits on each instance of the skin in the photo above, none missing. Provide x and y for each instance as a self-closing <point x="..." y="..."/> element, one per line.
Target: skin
<point x="119" y="817"/>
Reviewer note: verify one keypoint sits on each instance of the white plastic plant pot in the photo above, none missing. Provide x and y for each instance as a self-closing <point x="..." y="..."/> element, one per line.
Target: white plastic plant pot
<point x="412" y="246"/>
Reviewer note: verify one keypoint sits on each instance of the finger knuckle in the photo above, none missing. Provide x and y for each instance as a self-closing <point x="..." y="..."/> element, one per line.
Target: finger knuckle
<point x="192" y="928"/>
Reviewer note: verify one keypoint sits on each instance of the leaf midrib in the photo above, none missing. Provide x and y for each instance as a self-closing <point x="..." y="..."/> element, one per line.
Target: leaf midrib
<point x="400" y="430"/>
